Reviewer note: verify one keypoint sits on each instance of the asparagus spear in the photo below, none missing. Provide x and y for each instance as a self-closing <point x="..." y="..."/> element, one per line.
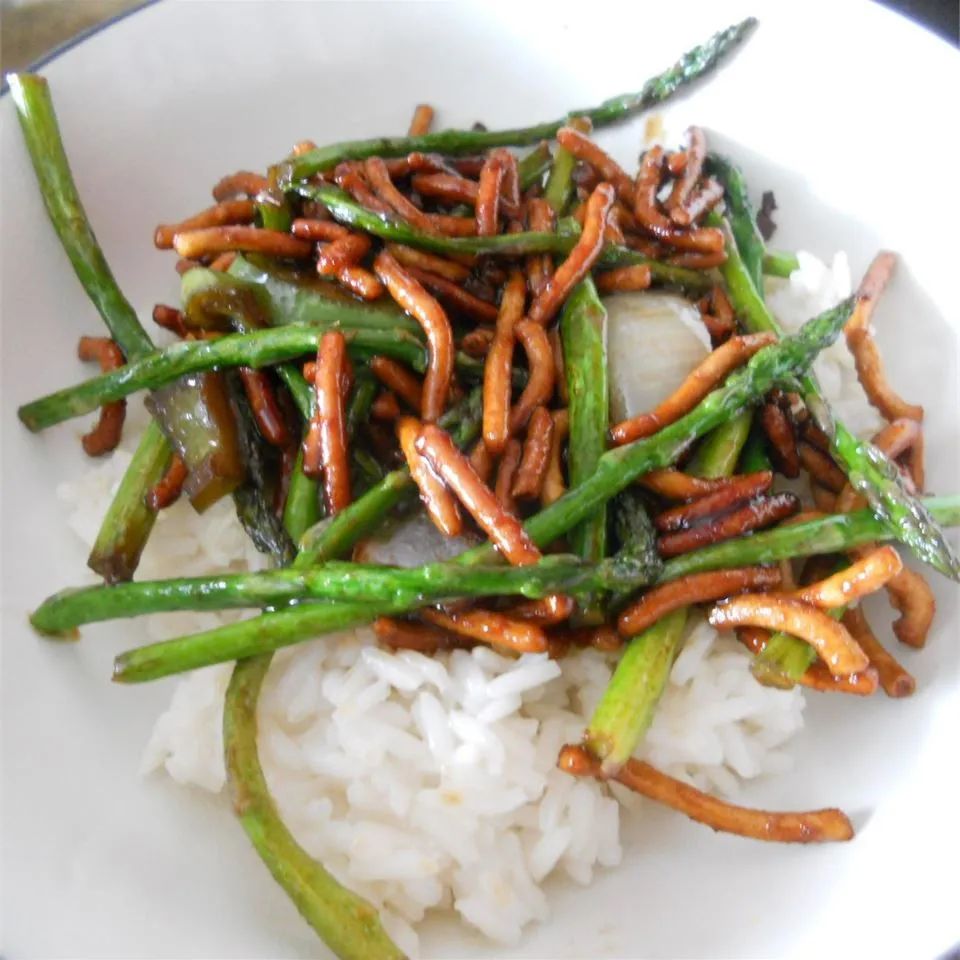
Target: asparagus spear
<point x="719" y="452"/>
<point x="346" y="210"/>
<point x="333" y="580"/>
<point x="583" y="335"/>
<point x="202" y="399"/>
<point x="275" y="630"/>
<point x="783" y="661"/>
<point x="259" y="349"/>
<point x="559" y="189"/>
<point x="626" y="709"/>
<point x="780" y="264"/>
<point x="690" y="67"/>
<point x="533" y="166"/>
<point x="38" y="121"/>
<point x="346" y="922"/>
<point x="127" y="524"/>
<point x="743" y="221"/>
<point x="835" y="533"/>
<point x="615" y="471"/>
<point x="621" y="466"/>
<point x="868" y="470"/>
<point x="754" y="457"/>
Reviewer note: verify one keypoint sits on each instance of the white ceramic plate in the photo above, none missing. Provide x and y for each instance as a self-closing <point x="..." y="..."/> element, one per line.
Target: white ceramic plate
<point x="844" y="110"/>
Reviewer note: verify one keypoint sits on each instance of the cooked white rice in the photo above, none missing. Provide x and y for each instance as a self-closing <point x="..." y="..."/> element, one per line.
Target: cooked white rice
<point x="430" y="783"/>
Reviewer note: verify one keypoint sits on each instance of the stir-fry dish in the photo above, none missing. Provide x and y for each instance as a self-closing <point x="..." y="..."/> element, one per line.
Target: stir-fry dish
<point x="417" y="325"/>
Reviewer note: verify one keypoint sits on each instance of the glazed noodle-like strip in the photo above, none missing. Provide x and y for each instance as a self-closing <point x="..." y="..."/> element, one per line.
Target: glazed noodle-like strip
<point x="554" y="484"/>
<point x="487" y="626"/>
<point x="345" y="252"/>
<point x="703" y="200"/>
<point x="586" y="151"/>
<point x="834" y="645"/>
<point x="396" y="377"/>
<point x="815" y="826"/>
<point x="411" y="296"/>
<point x="541" y="219"/>
<point x="361" y="281"/>
<point x="817" y="677"/>
<point x="325" y="448"/>
<point x="783" y="439"/>
<point x="311" y="229"/>
<point x="860" y="340"/>
<point x="421" y="121"/>
<point x="169" y="487"/>
<point x="506" y="471"/>
<point x="497" y="368"/>
<point x="821" y="467"/>
<point x="242" y="183"/>
<point x="503" y="528"/>
<point x="703" y="240"/>
<point x="379" y="178"/>
<point x="711" y="371"/>
<point x="532" y="472"/>
<point x="755" y="515"/>
<point x="481" y="459"/>
<point x="676" y="485"/>
<point x="170" y="318"/>
<point x="542" y="370"/>
<point x="348" y="177"/>
<point x="623" y="279"/>
<point x="431" y="262"/>
<point x="658" y="601"/>
<point x="861" y="578"/>
<point x="683" y="186"/>
<point x="440" y="504"/>
<point x="894" y="678"/>
<point x="385" y="406"/>
<point x="492" y="176"/>
<point x="107" y="431"/>
<point x="732" y="494"/>
<point x="264" y="405"/>
<point x="580" y="259"/>
<point x="224" y="214"/>
<point x="194" y="244"/>
<point x="422" y="637"/>
<point x="455" y="296"/>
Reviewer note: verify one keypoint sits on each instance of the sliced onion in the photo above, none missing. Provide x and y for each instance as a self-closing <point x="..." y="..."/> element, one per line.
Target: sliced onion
<point x="412" y="542"/>
<point x="653" y="341"/>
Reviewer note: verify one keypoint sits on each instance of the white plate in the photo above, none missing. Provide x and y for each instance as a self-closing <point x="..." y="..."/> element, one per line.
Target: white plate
<point x="845" y="111"/>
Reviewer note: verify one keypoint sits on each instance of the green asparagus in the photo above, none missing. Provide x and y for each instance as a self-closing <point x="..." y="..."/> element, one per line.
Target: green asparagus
<point x="333" y="580"/>
<point x="690" y="67"/>
<point x="867" y="469"/>
<point x="583" y="335"/>
<point x="38" y="121"/>
<point x="259" y="349"/>
<point x="743" y="221"/>
<point x="626" y="709"/>
<point x="533" y="166"/>
<point x="780" y="264"/>
<point x="719" y="452"/>
<point x="754" y="457"/>
<point x="346" y="922"/>
<point x="126" y="527"/>
<point x="348" y="211"/>
<point x="615" y="471"/>
<point x="272" y="631"/>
